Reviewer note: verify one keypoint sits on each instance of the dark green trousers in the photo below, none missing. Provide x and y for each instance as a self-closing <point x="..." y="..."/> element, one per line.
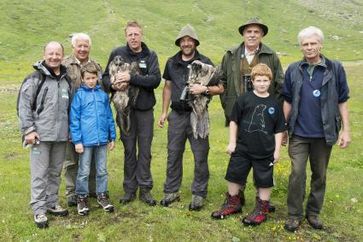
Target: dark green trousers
<point x="318" y="153"/>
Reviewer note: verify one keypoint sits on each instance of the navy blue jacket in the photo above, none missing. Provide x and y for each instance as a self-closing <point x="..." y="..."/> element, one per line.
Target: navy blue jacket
<point x="91" y="120"/>
<point x="333" y="91"/>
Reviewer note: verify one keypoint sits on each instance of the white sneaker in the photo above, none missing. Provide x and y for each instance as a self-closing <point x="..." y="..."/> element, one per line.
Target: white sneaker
<point x="41" y="220"/>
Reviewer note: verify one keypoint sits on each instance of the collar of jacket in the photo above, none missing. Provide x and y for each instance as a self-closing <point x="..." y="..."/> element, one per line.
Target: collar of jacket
<point x="86" y="88"/>
<point x="43" y="68"/>
<point x="144" y="50"/>
<point x="323" y="62"/>
<point x="263" y="49"/>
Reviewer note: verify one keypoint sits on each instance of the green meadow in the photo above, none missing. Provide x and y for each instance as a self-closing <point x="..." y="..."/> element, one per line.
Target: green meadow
<point x="27" y="25"/>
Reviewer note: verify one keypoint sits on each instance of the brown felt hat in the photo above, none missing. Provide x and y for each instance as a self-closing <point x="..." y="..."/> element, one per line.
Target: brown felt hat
<point x="253" y="21"/>
<point x="187" y="30"/>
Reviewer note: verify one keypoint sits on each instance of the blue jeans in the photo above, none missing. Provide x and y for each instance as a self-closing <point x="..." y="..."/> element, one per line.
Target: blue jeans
<point x="100" y="157"/>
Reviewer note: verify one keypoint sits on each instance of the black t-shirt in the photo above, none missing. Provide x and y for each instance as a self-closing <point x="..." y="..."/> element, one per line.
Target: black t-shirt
<point x="258" y="119"/>
<point x="176" y="70"/>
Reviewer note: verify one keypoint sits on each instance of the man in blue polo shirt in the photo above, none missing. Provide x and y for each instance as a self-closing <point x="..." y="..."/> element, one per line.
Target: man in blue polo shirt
<point x="316" y="94"/>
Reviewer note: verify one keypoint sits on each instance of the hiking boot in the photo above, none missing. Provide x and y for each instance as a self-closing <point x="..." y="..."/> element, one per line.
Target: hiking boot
<point x="197" y="203"/>
<point x="82" y="205"/>
<point x="292" y="224"/>
<point x="57" y="210"/>
<point x="41" y="221"/>
<point x="231" y="205"/>
<point x="169" y="198"/>
<point x="314" y="222"/>
<point x="259" y="214"/>
<point x="128" y="197"/>
<point x="270" y="207"/>
<point x="104" y="202"/>
<point x="72" y="201"/>
<point x="146" y="197"/>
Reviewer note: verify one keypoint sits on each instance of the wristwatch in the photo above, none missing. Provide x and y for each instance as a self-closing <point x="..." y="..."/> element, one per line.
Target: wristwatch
<point x="207" y="91"/>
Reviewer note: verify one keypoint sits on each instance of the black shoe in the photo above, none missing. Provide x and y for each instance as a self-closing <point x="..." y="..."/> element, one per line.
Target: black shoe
<point x="41" y="221"/>
<point x="146" y="197"/>
<point x="169" y="198"/>
<point x="57" y="210"/>
<point x="292" y="224"/>
<point x="314" y="222"/>
<point x="82" y="206"/>
<point x="72" y="201"/>
<point x="104" y="202"/>
<point x="128" y="197"/>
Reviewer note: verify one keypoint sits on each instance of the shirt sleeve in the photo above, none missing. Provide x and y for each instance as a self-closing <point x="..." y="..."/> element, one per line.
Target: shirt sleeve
<point x="237" y="110"/>
<point x="286" y="87"/>
<point x="343" y="89"/>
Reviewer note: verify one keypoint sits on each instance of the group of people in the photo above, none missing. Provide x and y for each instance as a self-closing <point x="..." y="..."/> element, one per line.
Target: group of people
<point x="65" y="115"/>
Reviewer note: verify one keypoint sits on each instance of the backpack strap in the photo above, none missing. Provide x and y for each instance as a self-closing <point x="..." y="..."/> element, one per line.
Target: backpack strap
<point x="40" y="85"/>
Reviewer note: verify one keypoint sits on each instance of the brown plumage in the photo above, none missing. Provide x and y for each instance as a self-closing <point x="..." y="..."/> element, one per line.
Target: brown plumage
<point x="206" y="75"/>
<point x="125" y="99"/>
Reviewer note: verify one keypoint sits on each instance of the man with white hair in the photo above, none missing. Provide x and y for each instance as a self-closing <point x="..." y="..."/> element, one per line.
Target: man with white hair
<point x="81" y="45"/>
<point x="315" y="95"/>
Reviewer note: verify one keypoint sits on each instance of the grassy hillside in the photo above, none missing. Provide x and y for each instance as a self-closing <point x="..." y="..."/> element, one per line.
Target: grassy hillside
<point x="27" y="24"/>
<point x="25" y="27"/>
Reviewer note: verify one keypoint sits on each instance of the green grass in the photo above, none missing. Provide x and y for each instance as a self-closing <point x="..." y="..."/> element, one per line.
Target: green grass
<point x="27" y="25"/>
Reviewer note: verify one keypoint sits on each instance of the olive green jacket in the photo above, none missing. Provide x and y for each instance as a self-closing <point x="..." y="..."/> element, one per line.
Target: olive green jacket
<point x="231" y="76"/>
<point x="74" y="72"/>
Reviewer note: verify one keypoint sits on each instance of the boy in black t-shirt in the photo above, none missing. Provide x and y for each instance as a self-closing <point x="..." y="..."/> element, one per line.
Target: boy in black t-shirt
<point x="255" y="130"/>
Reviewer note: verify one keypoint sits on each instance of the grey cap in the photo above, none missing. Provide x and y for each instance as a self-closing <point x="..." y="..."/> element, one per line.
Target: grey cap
<point x="253" y="21"/>
<point x="187" y="30"/>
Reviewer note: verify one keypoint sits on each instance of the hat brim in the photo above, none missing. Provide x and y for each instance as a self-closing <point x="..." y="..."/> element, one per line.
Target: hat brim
<point x="262" y="26"/>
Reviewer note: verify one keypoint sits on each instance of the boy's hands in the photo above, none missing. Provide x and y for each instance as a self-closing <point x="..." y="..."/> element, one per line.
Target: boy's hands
<point x="111" y="145"/>
<point x="231" y="148"/>
<point x="79" y="148"/>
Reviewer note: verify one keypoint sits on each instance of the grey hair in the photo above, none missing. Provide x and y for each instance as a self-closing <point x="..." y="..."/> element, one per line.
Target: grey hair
<point x="80" y="36"/>
<point x="309" y="32"/>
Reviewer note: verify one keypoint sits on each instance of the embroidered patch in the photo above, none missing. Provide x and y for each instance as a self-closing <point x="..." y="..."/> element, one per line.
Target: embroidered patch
<point x="65" y="94"/>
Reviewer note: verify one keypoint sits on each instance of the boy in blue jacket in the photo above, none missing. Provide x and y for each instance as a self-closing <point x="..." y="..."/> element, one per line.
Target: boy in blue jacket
<point x="92" y="130"/>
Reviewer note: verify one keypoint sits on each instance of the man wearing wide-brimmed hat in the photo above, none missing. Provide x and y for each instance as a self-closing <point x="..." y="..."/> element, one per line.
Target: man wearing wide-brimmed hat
<point x="236" y="65"/>
<point x="180" y="129"/>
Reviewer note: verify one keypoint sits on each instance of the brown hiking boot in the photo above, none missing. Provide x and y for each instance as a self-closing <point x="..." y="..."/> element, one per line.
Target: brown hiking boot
<point x="292" y="224"/>
<point x="259" y="214"/>
<point x="314" y="221"/>
<point x="231" y="205"/>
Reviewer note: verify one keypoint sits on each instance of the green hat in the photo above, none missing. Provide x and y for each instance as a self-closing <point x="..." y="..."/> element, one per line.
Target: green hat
<point x="253" y="21"/>
<point x="187" y="30"/>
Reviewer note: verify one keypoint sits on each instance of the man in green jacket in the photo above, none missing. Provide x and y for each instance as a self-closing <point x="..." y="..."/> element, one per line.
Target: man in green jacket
<point x="236" y="66"/>
<point x="238" y="62"/>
